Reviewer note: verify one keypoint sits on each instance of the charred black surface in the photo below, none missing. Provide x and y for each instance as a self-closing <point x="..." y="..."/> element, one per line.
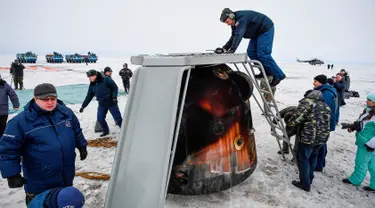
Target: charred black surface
<point x="215" y="147"/>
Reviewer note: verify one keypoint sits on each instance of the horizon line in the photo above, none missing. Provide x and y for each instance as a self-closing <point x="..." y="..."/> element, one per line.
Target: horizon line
<point x="129" y="54"/>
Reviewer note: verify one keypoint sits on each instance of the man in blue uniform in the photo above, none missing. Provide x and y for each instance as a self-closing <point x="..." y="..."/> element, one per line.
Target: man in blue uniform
<point x="260" y="29"/>
<point x="105" y="90"/>
<point x="43" y="138"/>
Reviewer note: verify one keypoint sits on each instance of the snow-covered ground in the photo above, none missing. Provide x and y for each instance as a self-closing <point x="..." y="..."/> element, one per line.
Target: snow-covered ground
<point x="269" y="185"/>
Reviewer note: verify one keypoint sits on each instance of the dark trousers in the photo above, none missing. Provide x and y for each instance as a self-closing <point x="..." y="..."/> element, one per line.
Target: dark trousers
<point x="307" y="158"/>
<point x="322" y="157"/>
<point x="126" y="83"/>
<point x="102" y="113"/>
<point x="292" y="132"/>
<point x="3" y="124"/>
<point x="260" y="49"/>
<point x="295" y="147"/>
<point x="29" y="198"/>
<point x="18" y="80"/>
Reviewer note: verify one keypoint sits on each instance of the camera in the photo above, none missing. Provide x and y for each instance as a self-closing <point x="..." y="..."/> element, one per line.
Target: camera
<point x="355" y="126"/>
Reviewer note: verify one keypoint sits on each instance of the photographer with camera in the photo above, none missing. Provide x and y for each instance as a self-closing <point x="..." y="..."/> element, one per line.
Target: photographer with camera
<point x="365" y="140"/>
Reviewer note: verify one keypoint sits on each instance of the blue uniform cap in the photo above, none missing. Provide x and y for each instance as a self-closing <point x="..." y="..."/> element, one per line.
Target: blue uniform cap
<point x="70" y="197"/>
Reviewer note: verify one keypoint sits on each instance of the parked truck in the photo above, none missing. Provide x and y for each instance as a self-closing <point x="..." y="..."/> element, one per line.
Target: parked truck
<point x="28" y="57"/>
<point x="55" y="58"/>
<point x="74" y="58"/>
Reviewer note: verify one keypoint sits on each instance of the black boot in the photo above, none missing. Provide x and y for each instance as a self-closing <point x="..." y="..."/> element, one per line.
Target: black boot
<point x="299" y="185"/>
<point x="368" y="188"/>
<point x="347" y="181"/>
<point x="104" y="134"/>
<point x="258" y="76"/>
<point x="275" y="82"/>
<point x="318" y="170"/>
<point x="285" y="151"/>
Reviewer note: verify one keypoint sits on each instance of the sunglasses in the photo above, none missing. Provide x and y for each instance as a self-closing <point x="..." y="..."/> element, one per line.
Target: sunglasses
<point x="48" y="99"/>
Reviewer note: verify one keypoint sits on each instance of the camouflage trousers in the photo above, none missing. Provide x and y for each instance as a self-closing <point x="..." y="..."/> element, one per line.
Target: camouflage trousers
<point x="267" y="95"/>
<point x="18" y="80"/>
<point x="263" y="86"/>
<point x="29" y="198"/>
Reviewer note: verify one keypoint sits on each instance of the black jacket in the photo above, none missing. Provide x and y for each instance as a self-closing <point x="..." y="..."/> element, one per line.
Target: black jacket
<point x="17" y="69"/>
<point x="125" y="74"/>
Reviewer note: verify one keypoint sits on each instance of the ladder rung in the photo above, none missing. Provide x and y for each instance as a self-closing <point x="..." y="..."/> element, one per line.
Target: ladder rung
<point x="267" y="110"/>
<point x="276" y="135"/>
<point x="277" y="127"/>
<point x="272" y="115"/>
<point x="271" y="105"/>
<point x="281" y="138"/>
<point x="255" y="66"/>
<point x="265" y="91"/>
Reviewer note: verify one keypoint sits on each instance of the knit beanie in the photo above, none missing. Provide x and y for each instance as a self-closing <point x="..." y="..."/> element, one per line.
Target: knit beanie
<point x="107" y="69"/>
<point x="330" y="81"/>
<point x="321" y="78"/>
<point x="371" y="96"/>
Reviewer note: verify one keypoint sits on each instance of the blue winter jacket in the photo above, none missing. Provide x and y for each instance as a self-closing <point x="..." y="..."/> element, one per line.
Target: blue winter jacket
<point x="329" y="97"/>
<point x="46" y="142"/>
<point x="5" y="92"/>
<point x="340" y="87"/>
<point x="250" y="25"/>
<point x="104" y="89"/>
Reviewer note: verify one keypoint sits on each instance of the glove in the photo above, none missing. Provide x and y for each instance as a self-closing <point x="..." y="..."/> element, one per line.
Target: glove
<point x="258" y="76"/>
<point x="288" y="116"/>
<point x="219" y="50"/>
<point x="81" y="110"/>
<point x="369" y="149"/>
<point x="16" y="181"/>
<point x="83" y="153"/>
<point x="114" y="100"/>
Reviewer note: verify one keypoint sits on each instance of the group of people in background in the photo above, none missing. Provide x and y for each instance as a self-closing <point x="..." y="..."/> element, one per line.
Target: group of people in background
<point x="105" y="89"/>
<point x="311" y="122"/>
<point x="330" y="66"/>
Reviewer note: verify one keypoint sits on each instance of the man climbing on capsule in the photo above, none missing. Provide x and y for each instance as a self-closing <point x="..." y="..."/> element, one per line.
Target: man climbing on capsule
<point x="259" y="28"/>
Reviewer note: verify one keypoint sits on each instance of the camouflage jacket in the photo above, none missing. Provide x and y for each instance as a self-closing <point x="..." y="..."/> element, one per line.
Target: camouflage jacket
<point x="315" y="116"/>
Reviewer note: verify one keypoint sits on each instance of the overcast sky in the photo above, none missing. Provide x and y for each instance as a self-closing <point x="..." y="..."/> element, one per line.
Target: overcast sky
<point x="334" y="30"/>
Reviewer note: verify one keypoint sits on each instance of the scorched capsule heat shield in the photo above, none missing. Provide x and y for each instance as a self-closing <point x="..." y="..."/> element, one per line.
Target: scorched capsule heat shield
<point x="216" y="147"/>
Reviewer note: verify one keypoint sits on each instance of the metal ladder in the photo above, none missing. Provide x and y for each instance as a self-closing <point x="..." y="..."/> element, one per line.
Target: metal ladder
<point x="269" y="109"/>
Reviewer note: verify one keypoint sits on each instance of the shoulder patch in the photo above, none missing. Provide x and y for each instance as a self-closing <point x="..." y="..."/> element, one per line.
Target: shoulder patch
<point x="237" y="24"/>
<point x="67" y="124"/>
